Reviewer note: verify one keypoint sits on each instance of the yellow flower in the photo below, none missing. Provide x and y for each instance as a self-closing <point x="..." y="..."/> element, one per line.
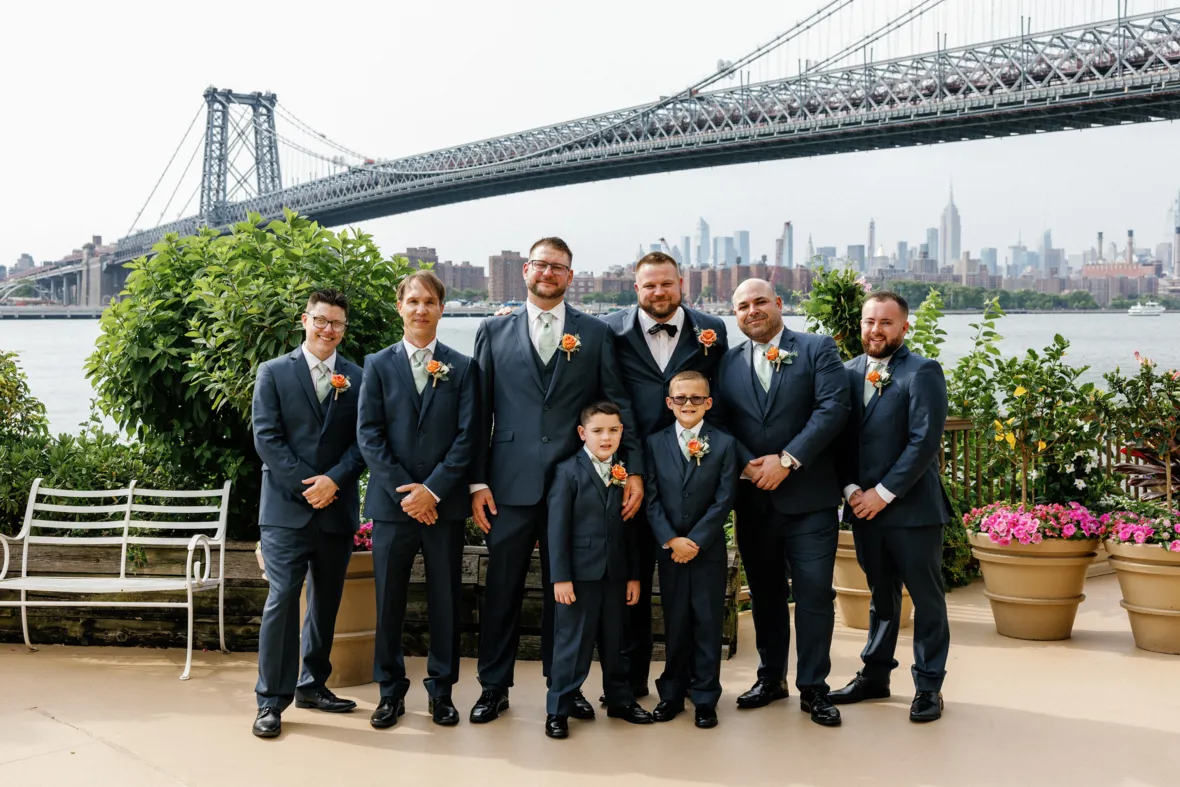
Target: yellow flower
<point x="998" y="424"/>
<point x="1011" y="438"/>
<point x="999" y="437"/>
<point x="1041" y="444"/>
<point x="1020" y="391"/>
<point x="1010" y="420"/>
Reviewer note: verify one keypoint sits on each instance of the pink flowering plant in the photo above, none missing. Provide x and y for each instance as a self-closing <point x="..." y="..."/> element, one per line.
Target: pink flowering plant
<point x="362" y="540"/>
<point x="1127" y="527"/>
<point x="1004" y="523"/>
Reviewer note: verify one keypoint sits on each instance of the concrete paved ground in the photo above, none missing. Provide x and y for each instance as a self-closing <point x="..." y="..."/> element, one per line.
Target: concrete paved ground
<point x="1089" y="711"/>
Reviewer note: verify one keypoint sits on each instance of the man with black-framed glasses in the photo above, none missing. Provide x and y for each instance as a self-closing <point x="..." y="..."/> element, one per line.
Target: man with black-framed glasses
<point x="304" y="416"/>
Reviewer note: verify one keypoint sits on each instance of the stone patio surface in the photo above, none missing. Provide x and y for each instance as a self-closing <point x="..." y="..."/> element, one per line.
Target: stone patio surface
<point x="1093" y="710"/>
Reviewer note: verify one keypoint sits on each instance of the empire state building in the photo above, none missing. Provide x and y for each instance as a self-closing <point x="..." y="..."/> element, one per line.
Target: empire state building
<point x="950" y="234"/>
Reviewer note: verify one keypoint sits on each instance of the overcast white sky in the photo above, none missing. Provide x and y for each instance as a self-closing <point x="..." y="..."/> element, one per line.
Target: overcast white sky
<point x="99" y="95"/>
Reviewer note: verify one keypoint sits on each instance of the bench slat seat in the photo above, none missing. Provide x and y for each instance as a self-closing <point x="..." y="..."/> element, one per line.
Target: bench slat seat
<point x="100" y="585"/>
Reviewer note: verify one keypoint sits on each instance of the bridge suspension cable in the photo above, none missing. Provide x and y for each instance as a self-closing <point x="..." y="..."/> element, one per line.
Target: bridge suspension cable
<point x="893" y="25"/>
<point x="187" y="166"/>
<point x="290" y="116"/>
<point x="166" y="167"/>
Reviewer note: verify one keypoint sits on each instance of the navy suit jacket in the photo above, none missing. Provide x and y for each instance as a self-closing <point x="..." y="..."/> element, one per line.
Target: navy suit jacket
<point x="807" y="409"/>
<point x="428" y="439"/>
<point x="645" y="382"/>
<point x="684" y="499"/>
<point x="896" y="441"/>
<point x="588" y="539"/>
<point x="295" y="440"/>
<point x="532" y="429"/>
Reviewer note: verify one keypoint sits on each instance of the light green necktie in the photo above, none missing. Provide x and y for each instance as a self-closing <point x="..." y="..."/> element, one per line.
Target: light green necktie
<point x="323" y="381"/>
<point x="418" y="367"/>
<point x="685" y="438"/>
<point x="546" y="339"/>
<point x="869" y="388"/>
<point x="762" y="366"/>
<point x="603" y="469"/>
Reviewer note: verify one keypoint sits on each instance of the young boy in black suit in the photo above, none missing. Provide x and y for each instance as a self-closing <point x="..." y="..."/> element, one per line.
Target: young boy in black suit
<point x="692" y="474"/>
<point x="595" y="573"/>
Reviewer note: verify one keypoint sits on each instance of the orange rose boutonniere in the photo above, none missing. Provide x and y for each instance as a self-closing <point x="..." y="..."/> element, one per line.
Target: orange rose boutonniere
<point x="707" y="338"/>
<point x="778" y="357"/>
<point x="618" y="475"/>
<point x="340" y="383"/>
<point x="879" y="378"/>
<point x="438" y="370"/>
<point x="570" y="344"/>
<point x="697" y="448"/>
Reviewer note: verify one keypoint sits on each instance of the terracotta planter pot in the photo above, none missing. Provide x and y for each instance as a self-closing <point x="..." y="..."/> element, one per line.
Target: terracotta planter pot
<point x="1149" y="577"/>
<point x="1034" y="589"/>
<point x="356" y="625"/>
<point x="852" y="588"/>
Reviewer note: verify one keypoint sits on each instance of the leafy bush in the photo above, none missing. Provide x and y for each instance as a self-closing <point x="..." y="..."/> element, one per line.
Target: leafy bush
<point x="1147" y="421"/>
<point x="925" y="336"/>
<point x="833" y="308"/>
<point x="176" y="359"/>
<point x="22" y="415"/>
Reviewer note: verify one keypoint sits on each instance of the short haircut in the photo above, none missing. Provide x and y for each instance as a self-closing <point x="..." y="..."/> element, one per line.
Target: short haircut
<point x="605" y="407"/>
<point x="328" y="297"/>
<point x="657" y="258"/>
<point x="555" y="243"/>
<point x="430" y="281"/>
<point x="688" y="376"/>
<point x="886" y="295"/>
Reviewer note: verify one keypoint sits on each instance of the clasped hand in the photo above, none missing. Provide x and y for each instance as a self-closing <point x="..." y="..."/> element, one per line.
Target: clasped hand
<point x="683" y="549"/>
<point x="866" y="505"/>
<point x="419" y="503"/>
<point x="767" y="472"/>
<point x="321" y="491"/>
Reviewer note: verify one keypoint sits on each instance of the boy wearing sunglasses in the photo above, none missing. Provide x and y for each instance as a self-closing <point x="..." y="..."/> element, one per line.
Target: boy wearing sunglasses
<point x="692" y="474"/>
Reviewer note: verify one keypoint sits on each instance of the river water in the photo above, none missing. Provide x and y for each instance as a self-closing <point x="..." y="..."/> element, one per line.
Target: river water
<point x="52" y="352"/>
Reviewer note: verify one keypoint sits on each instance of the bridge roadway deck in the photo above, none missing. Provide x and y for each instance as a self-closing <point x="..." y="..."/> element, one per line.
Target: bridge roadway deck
<point x="50" y="312"/>
<point x="1089" y="711"/>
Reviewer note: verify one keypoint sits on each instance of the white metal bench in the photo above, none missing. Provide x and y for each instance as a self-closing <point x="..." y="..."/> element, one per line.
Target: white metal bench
<point x="131" y="515"/>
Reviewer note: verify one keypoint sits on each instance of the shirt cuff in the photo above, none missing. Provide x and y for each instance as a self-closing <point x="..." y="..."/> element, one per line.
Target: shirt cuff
<point x="473" y="488"/>
<point x="432" y="494"/>
<point x="885" y="494"/>
<point x="796" y="464"/>
<point x="850" y="490"/>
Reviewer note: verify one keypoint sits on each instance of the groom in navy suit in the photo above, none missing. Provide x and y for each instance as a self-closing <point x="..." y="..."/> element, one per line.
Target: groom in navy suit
<point x="538" y="369"/>
<point x="654" y="342"/>
<point x="417" y="431"/>
<point x="304" y="417"/>
<point x="896" y="503"/>
<point x="785" y="398"/>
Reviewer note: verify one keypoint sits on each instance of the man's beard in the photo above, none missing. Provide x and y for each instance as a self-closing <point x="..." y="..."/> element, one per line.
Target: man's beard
<point x="661" y="309"/>
<point x="888" y="348"/>
<point x="534" y="288"/>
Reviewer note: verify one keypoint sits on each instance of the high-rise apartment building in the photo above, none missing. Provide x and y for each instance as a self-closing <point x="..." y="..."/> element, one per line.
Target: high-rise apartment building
<point x="704" y="244"/>
<point x="989" y="258"/>
<point x="903" y="255"/>
<point x="686" y="251"/>
<point x="506" y="277"/>
<point x="932" y="242"/>
<point x="856" y="257"/>
<point x="741" y="242"/>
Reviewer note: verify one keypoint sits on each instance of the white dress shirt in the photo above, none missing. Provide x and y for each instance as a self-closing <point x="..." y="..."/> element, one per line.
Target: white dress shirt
<point x="534" y="312"/>
<point x="680" y="430"/>
<point x="410" y="350"/>
<point x="661" y="344"/>
<point x="313" y="362"/>
<point x="852" y="489"/>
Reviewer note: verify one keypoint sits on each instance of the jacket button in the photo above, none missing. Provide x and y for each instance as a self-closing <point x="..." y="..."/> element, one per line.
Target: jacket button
<point x="544" y="439"/>
<point x="546" y="407"/>
<point x="685" y="494"/>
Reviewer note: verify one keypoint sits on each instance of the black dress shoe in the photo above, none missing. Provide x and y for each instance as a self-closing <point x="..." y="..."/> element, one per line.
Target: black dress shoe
<point x="927" y="706"/>
<point x="632" y="714"/>
<point x="489" y="706"/>
<point x="557" y="726"/>
<point x="385" y="716"/>
<point x="322" y="699"/>
<point x="762" y="694"/>
<point x="666" y="711"/>
<point x="269" y="723"/>
<point x="442" y="710"/>
<point x="583" y="710"/>
<point x="859" y="689"/>
<point x="706" y="717"/>
<point x="822" y="711"/>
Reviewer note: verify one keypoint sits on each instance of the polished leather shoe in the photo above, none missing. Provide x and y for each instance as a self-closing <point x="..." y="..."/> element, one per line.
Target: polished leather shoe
<point x="632" y="714"/>
<point x="443" y="712"/>
<point x="322" y="699"/>
<point x="822" y="711"/>
<point x="666" y="711"/>
<point x="706" y="717"/>
<point x="386" y="713"/>
<point x="557" y="726"/>
<point x="762" y="694"/>
<point x="269" y="723"/>
<point x="583" y="710"/>
<point x="489" y="706"/>
<point x="859" y="689"/>
<point x="927" y="706"/>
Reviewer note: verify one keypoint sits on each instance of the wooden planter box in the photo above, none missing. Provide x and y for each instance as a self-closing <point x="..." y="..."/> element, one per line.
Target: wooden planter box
<point x="246" y="593"/>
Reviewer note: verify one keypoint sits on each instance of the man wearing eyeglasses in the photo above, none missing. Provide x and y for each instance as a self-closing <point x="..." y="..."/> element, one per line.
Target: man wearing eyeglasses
<point x="304" y="417"/>
<point x="539" y="368"/>
<point x="655" y="341"/>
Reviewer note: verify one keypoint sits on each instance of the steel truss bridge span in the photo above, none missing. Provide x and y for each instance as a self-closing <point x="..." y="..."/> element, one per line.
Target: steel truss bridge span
<point x="1100" y="74"/>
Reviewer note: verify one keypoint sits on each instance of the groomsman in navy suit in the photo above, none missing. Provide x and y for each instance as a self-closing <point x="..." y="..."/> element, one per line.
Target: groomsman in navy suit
<point x="304" y="418"/>
<point x="654" y="342"/>
<point x="417" y="430"/>
<point x="785" y="398"/>
<point x="538" y="369"/>
<point x="896" y="503"/>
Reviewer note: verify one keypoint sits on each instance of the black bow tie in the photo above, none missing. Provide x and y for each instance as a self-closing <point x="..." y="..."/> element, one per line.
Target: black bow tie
<point x="663" y="326"/>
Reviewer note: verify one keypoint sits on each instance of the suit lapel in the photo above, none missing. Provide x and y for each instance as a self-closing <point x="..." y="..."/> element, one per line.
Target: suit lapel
<point x="674" y="451"/>
<point x="691" y="464"/>
<point x="785" y="344"/>
<point x="442" y="355"/>
<point x="303" y="372"/>
<point x="634" y="334"/>
<point x="878" y="394"/>
<point x="526" y="345"/>
<point x="686" y="348"/>
<point x="749" y="379"/>
<point x="401" y="365"/>
<point x="570" y="327"/>
<point x="592" y="475"/>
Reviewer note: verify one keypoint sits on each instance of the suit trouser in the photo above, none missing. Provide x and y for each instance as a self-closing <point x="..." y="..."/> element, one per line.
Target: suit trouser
<point x="598" y="615"/>
<point x="637" y="639"/>
<point x="891" y="557"/>
<point x="395" y="544"/>
<point x="290" y="555"/>
<point x="515" y="531"/>
<point x="768" y="541"/>
<point x="692" y="596"/>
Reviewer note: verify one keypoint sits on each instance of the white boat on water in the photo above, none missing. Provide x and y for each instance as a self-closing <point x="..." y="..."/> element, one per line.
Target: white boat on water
<point x="1149" y="309"/>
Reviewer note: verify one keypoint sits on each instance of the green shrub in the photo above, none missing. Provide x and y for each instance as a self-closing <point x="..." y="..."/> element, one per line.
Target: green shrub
<point x="833" y="308"/>
<point x="22" y="415"/>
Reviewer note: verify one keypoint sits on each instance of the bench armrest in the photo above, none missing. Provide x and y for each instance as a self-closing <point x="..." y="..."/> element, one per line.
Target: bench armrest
<point x="195" y="577"/>
<point x="4" y="542"/>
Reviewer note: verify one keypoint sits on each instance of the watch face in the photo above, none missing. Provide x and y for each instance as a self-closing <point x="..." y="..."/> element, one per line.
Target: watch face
<point x="784" y="461"/>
